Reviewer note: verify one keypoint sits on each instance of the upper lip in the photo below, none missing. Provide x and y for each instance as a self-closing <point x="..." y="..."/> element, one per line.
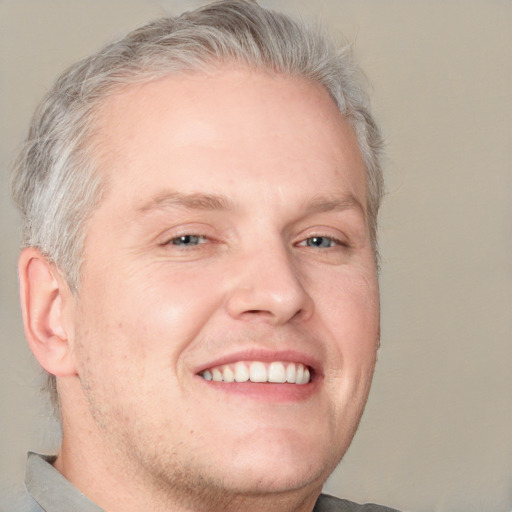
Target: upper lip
<point x="265" y="356"/>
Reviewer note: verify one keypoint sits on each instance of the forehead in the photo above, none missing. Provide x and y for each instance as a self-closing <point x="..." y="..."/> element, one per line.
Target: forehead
<point x="233" y="122"/>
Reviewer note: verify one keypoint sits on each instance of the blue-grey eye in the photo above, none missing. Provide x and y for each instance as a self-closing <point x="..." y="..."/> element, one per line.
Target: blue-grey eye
<point x="320" y="241"/>
<point x="187" y="240"/>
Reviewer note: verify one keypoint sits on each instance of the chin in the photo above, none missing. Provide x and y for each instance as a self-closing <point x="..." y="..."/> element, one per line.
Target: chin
<point x="279" y="467"/>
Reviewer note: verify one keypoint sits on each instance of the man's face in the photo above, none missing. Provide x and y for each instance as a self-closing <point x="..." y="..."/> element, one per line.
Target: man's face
<point x="231" y="243"/>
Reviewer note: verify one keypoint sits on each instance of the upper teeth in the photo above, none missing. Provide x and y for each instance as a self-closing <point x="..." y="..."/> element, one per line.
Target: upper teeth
<point x="256" y="371"/>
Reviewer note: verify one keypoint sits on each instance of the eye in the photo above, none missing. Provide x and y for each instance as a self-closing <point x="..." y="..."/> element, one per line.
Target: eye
<point x="321" y="242"/>
<point x="188" y="240"/>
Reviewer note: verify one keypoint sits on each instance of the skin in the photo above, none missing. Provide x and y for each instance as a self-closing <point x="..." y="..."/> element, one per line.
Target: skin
<point x="256" y="166"/>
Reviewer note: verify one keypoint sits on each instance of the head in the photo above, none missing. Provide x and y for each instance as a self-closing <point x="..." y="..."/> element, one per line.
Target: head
<point x="66" y="178"/>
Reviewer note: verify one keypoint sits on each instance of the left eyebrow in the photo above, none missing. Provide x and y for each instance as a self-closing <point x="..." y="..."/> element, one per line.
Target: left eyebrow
<point x="335" y="203"/>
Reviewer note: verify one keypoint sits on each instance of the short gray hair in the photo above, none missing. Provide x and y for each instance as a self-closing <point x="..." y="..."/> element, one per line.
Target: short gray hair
<point x="55" y="180"/>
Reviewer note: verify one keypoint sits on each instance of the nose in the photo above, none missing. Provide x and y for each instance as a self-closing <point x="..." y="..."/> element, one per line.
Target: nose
<point x="267" y="286"/>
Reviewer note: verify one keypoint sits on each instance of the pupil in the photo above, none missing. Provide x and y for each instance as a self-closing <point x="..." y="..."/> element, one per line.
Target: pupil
<point x="185" y="239"/>
<point x="317" y="241"/>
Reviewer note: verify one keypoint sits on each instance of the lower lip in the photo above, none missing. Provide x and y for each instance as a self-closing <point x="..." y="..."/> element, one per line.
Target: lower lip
<point x="266" y="391"/>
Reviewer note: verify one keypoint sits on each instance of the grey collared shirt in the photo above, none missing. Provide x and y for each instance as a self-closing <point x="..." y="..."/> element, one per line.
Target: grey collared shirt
<point x="49" y="491"/>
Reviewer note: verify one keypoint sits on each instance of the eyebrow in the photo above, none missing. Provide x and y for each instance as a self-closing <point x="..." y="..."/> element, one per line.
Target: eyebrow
<point x="212" y="202"/>
<point x="194" y="201"/>
<point x="335" y="203"/>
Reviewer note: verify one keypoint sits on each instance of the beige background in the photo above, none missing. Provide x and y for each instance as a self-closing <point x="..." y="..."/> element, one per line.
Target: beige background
<point x="437" y="433"/>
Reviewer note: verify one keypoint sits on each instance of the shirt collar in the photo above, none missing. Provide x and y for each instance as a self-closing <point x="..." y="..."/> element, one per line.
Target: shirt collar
<point x="51" y="490"/>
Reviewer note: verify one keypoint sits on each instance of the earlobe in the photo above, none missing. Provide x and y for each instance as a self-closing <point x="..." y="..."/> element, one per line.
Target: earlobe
<point x="46" y="305"/>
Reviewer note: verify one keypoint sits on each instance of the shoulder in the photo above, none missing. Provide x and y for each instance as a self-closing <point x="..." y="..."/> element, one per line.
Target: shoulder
<point x="327" y="503"/>
<point x="18" y="500"/>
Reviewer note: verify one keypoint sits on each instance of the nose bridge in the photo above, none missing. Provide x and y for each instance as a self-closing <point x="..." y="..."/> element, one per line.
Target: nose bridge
<point x="268" y="284"/>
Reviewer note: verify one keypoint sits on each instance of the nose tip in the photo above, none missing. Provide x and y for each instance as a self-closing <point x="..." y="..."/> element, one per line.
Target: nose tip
<point x="270" y="290"/>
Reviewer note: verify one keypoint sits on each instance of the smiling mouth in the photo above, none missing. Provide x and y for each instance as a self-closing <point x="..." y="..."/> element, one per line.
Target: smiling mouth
<point x="257" y="371"/>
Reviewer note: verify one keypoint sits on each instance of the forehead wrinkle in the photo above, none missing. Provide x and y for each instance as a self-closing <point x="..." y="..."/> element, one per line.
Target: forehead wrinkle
<point x="192" y="201"/>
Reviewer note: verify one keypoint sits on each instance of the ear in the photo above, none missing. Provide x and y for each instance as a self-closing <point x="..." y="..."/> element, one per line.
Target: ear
<point x="47" y="305"/>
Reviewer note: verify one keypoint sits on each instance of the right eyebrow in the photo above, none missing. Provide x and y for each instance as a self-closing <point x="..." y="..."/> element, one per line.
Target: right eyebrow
<point x="193" y="201"/>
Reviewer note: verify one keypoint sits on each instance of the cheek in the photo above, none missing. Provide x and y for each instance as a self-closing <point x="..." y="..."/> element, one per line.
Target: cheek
<point x="151" y="312"/>
<point x="351" y="317"/>
<point x="349" y="305"/>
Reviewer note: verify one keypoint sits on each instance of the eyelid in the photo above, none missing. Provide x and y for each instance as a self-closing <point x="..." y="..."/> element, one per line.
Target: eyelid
<point x="338" y="237"/>
<point x="166" y="237"/>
